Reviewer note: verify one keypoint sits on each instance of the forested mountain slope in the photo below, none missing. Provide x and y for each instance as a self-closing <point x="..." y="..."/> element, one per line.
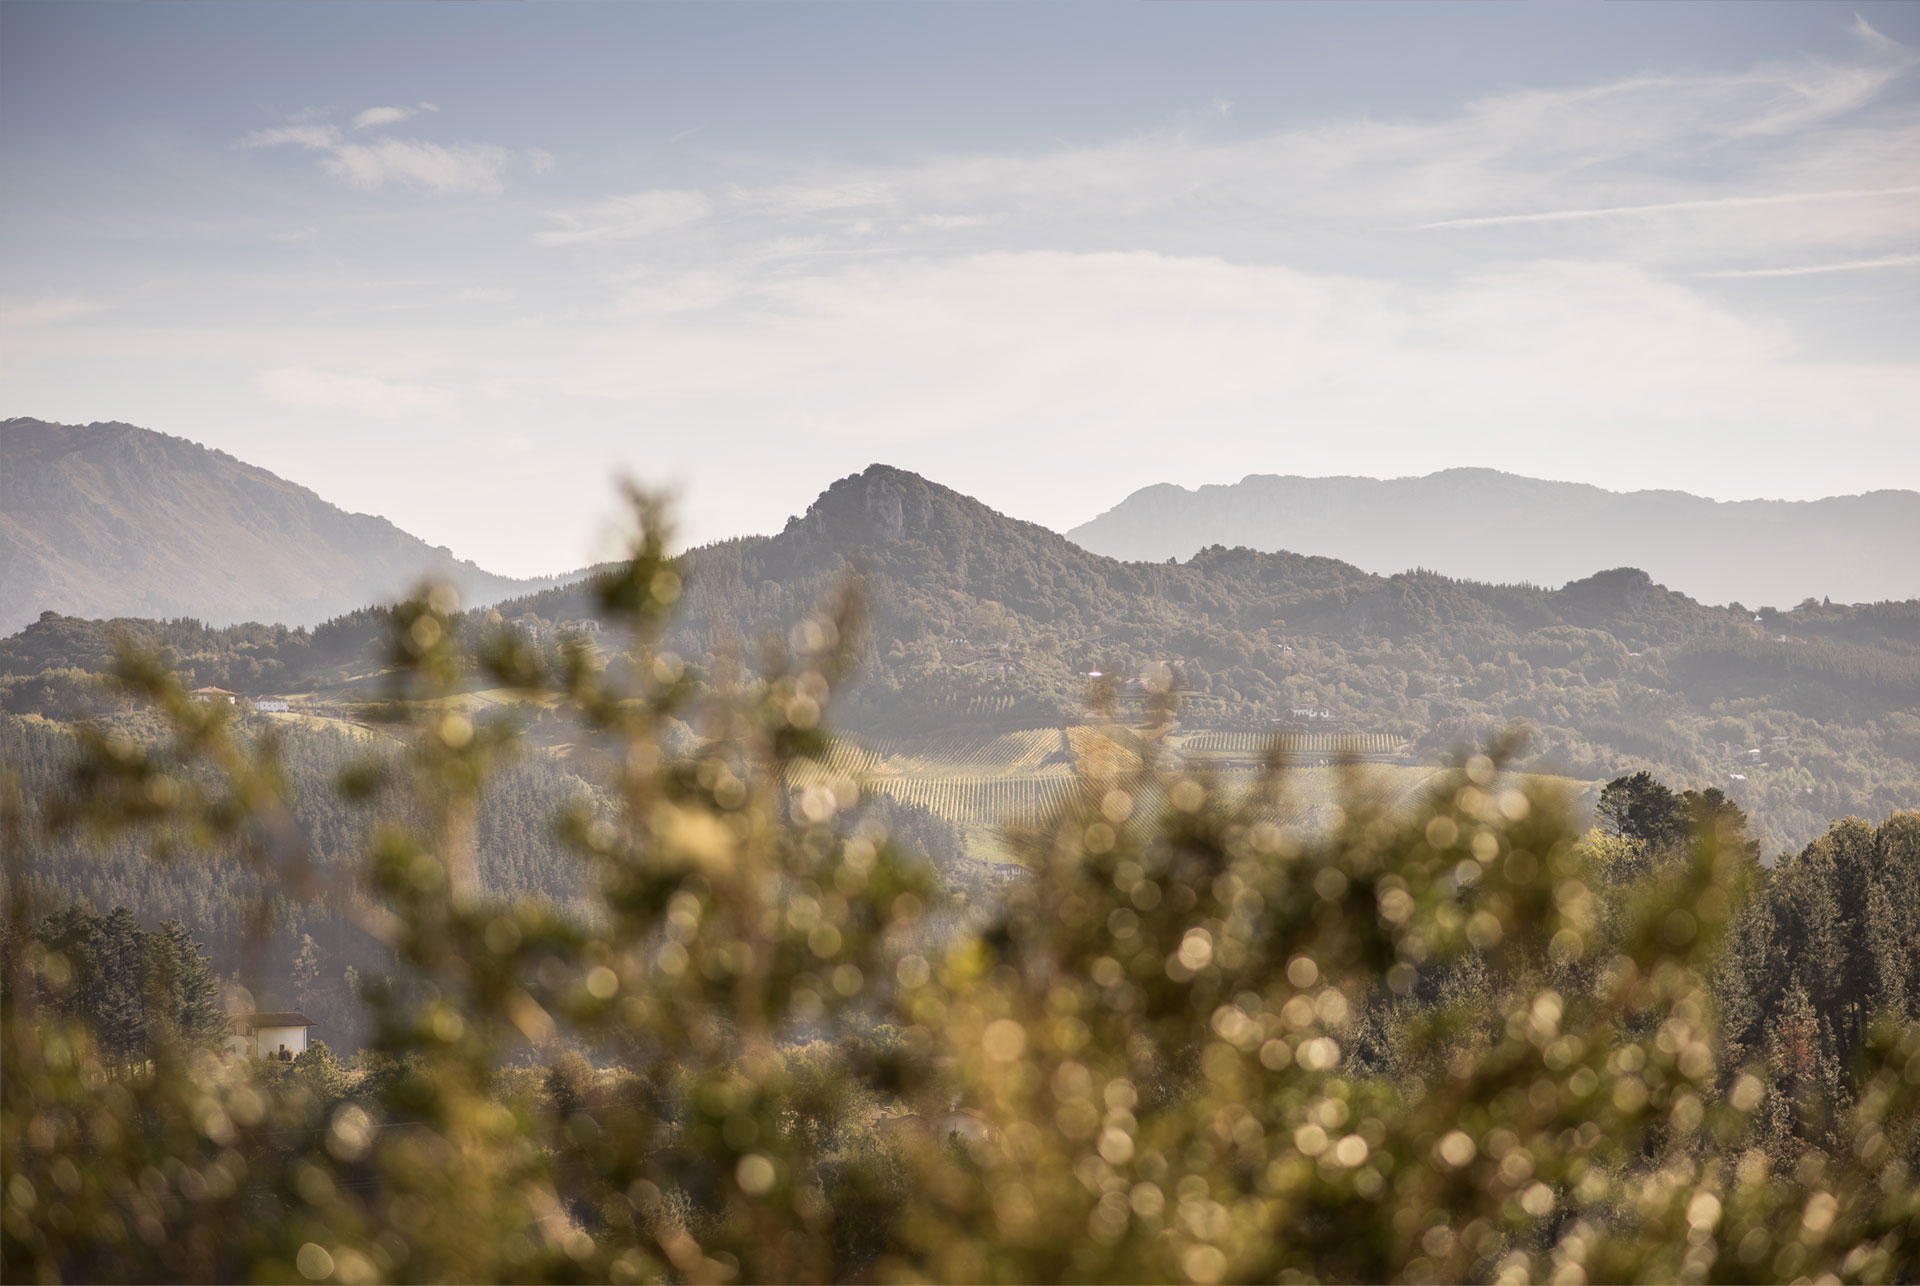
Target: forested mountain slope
<point x="978" y="623"/>
<point x="114" y="520"/>
<point x="979" y="620"/>
<point x="1485" y="525"/>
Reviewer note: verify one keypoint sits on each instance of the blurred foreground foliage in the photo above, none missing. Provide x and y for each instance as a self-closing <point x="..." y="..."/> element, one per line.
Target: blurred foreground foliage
<point x="1459" y="1042"/>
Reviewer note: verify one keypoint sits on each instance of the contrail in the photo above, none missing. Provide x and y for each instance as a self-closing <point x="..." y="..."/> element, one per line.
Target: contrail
<point x="1666" y="207"/>
<point x="1885" y="261"/>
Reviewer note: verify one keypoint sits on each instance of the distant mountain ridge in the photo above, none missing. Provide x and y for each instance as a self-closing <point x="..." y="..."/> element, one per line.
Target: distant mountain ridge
<point x="1485" y="525"/>
<point x="976" y="624"/>
<point x="108" y="519"/>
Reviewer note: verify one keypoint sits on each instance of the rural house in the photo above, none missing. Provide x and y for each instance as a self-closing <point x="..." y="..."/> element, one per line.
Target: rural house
<point x="281" y="1034"/>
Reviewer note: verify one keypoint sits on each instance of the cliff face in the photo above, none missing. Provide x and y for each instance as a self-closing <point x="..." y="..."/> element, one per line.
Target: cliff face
<point x="1483" y="525"/>
<point x="104" y="520"/>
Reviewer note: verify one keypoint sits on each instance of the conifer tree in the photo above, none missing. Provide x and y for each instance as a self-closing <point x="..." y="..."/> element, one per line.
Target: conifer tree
<point x="306" y="972"/>
<point x="183" y="985"/>
<point x="119" y="1005"/>
<point x="1640" y="808"/>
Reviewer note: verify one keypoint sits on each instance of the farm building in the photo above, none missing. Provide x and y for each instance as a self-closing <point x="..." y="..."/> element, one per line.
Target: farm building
<point x="214" y="696"/>
<point x="271" y="705"/>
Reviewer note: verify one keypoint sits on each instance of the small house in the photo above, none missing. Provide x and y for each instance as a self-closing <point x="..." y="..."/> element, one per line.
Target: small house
<point x="282" y="1034"/>
<point x="214" y="696"/>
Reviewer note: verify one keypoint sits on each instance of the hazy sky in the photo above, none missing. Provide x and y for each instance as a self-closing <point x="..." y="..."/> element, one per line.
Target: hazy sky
<point x="432" y="259"/>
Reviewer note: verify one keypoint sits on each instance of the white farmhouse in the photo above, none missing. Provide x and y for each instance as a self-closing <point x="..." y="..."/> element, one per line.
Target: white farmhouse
<point x="281" y="1034"/>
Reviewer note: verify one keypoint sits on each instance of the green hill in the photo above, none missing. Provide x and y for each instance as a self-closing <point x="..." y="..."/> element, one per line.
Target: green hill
<point x="980" y="625"/>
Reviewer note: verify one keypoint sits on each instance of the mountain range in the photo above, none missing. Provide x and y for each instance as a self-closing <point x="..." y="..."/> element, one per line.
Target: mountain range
<point x="113" y="520"/>
<point x="1481" y="524"/>
<point x="979" y="625"/>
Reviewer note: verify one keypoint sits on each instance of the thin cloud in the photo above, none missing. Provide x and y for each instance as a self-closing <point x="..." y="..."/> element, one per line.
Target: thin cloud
<point x="625" y="218"/>
<point x="1867" y="32"/>
<point x="461" y="167"/>
<point x="1667" y="207"/>
<point x="445" y="169"/>
<point x="315" y="137"/>
<point x="1808" y="270"/>
<point x="374" y="116"/>
<point x="1562" y="158"/>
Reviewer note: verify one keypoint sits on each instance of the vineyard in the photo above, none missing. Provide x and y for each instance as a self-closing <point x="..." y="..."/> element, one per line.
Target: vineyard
<point x="1254" y="745"/>
<point x="988" y="783"/>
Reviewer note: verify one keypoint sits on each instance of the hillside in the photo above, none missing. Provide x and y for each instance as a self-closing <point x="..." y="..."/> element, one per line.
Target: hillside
<point x="1484" y="525"/>
<point x="112" y="520"/>
<point x="979" y="625"/>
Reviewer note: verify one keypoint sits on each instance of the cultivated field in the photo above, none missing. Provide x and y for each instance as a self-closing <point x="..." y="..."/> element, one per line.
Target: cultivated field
<point x="1203" y="746"/>
<point x="989" y="784"/>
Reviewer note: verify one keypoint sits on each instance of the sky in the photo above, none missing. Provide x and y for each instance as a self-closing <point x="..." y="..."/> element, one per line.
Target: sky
<point x="464" y="266"/>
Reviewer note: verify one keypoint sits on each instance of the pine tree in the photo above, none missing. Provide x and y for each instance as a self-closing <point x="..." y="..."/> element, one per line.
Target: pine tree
<point x="305" y="973"/>
<point x="1641" y="808"/>
<point x="1896" y="931"/>
<point x="1742" y="984"/>
<point x="1856" y="860"/>
<point x="72" y="937"/>
<point x="1794" y="1061"/>
<point x="119" y="1011"/>
<point x="1814" y="937"/>
<point x="183" y="980"/>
